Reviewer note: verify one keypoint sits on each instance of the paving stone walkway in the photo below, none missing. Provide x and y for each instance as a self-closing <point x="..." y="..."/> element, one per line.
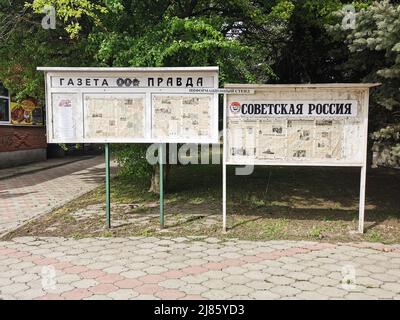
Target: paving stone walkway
<point x="29" y="195"/>
<point x="184" y="268"/>
<point x="39" y="166"/>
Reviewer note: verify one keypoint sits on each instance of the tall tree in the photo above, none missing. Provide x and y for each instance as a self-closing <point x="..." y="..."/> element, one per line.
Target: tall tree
<point x="374" y="56"/>
<point x="140" y="33"/>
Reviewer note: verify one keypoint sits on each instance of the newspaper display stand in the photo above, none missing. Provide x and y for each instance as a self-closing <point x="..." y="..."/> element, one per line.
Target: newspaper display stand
<point x="297" y="125"/>
<point x="131" y="105"/>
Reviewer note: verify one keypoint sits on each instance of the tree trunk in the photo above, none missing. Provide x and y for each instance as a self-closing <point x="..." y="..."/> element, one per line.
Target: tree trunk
<point x="155" y="180"/>
<point x="155" y="176"/>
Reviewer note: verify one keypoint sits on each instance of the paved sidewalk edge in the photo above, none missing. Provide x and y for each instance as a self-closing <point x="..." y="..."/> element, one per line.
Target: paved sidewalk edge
<point x="44" y="168"/>
<point x="23" y="223"/>
<point x="7" y="232"/>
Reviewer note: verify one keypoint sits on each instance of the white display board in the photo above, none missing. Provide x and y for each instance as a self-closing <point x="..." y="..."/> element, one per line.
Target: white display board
<point x="297" y="125"/>
<point x="131" y="105"/>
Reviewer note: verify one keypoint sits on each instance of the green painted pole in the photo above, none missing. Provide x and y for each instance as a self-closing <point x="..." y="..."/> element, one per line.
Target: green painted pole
<point x="160" y="154"/>
<point x="108" y="209"/>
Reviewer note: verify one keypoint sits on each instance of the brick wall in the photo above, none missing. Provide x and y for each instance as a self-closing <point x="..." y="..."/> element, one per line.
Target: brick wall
<point x="15" y="138"/>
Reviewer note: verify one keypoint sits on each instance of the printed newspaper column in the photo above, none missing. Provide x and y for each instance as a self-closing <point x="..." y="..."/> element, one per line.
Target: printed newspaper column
<point x="177" y="116"/>
<point x="64" y="116"/>
<point x="301" y="137"/>
<point x="272" y="139"/>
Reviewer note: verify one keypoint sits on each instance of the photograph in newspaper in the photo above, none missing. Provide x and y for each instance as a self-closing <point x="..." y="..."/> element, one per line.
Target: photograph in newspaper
<point x="271" y="139"/>
<point x="328" y="139"/>
<point x="300" y="138"/>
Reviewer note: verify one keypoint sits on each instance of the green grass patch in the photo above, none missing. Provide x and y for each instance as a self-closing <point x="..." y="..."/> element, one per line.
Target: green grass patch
<point x="301" y="203"/>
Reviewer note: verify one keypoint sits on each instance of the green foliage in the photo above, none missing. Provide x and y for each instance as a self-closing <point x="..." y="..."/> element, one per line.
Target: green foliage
<point x="377" y="33"/>
<point x="132" y="159"/>
<point x="285" y="41"/>
<point x="176" y="42"/>
<point x="26" y="45"/>
<point x="282" y="10"/>
<point x="72" y="12"/>
<point x="374" y="236"/>
<point x="303" y="47"/>
<point x="275" y="229"/>
<point x="386" y="142"/>
<point x="374" y="56"/>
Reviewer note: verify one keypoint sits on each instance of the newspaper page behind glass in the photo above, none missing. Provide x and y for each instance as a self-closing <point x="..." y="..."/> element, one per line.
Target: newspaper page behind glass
<point x="271" y="139"/>
<point x="65" y="111"/>
<point x="181" y="116"/>
<point x="114" y="116"/>
<point x="293" y="131"/>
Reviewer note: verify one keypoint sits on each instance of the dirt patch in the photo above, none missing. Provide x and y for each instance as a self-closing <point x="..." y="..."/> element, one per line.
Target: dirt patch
<point x="272" y="203"/>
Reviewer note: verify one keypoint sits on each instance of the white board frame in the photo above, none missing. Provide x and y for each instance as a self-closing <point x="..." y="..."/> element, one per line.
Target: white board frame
<point x="148" y="91"/>
<point x="364" y="140"/>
